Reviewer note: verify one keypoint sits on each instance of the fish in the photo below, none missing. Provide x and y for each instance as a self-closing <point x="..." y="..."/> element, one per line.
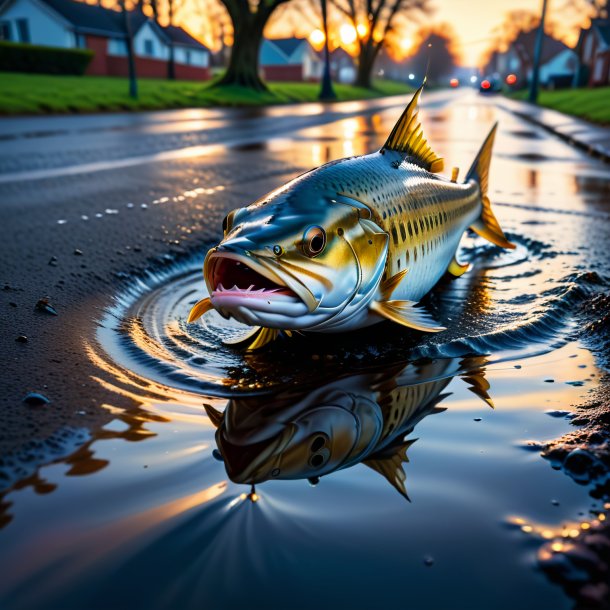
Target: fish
<point x="310" y="432"/>
<point x="351" y="243"/>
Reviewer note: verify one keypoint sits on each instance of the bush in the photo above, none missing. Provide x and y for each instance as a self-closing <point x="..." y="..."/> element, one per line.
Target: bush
<point x="18" y="57"/>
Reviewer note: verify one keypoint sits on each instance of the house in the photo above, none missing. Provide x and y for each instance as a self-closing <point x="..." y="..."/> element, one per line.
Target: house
<point x="558" y="63"/>
<point x="593" y="50"/>
<point x="289" y="59"/>
<point x="70" y="24"/>
<point x="342" y="65"/>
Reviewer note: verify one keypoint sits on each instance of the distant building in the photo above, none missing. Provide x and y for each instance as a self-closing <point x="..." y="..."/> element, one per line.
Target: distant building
<point x="289" y="59"/>
<point x="342" y="65"/>
<point x="593" y="50"/>
<point x="558" y="62"/>
<point x="70" y="24"/>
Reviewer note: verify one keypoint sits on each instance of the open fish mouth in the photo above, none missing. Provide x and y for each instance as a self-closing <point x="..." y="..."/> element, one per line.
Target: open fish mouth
<point x="238" y="280"/>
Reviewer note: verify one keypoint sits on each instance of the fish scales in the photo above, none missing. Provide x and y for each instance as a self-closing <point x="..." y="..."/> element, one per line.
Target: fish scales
<point x="424" y="215"/>
<point x="350" y="243"/>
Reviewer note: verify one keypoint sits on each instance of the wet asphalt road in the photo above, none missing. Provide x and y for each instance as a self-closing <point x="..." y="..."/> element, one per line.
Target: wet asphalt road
<point x="89" y="202"/>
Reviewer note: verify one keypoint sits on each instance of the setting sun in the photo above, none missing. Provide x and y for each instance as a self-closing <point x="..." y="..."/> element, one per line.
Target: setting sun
<point x="406" y="43"/>
<point x="347" y="33"/>
<point x="362" y="30"/>
<point x="317" y="38"/>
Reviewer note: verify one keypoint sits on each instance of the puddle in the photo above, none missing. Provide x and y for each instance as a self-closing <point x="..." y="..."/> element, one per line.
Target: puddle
<point x="358" y="470"/>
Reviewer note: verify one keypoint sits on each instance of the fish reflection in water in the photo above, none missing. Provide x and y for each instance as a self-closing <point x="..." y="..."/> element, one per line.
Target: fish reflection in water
<point x="311" y="432"/>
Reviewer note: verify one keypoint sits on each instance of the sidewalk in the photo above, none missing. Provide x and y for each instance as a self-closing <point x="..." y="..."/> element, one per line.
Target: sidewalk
<point x="593" y="139"/>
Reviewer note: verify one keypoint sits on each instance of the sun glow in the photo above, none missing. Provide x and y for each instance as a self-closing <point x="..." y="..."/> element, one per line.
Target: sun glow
<point x="348" y="33"/>
<point x="317" y="38"/>
<point x="406" y="43"/>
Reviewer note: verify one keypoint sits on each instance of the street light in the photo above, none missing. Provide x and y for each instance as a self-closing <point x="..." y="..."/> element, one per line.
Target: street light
<point x="327" y="92"/>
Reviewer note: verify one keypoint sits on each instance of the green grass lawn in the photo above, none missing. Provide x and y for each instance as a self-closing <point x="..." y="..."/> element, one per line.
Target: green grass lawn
<point x="590" y="104"/>
<point x="43" y="94"/>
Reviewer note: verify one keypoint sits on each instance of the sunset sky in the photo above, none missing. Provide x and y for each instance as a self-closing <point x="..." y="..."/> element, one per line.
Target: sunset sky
<point x="473" y="22"/>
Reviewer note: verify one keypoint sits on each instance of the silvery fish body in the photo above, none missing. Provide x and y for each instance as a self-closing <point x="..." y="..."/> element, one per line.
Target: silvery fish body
<point x="312" y="432"/>
<point x="350" y="243"/>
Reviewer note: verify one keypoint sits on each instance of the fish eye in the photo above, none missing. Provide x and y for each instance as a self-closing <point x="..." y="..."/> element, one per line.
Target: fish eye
<point x="317" y="444"/>
<point x="317" y="460"/>
<point x="278" y="250"/>
<point x="314" y="241"/>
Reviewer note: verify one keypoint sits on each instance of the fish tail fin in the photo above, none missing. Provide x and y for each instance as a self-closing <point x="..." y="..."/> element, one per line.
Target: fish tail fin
<point x="486" y="225"/>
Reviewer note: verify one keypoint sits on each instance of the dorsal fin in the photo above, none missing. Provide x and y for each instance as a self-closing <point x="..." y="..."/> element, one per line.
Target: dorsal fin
<point x="408" y="137"/>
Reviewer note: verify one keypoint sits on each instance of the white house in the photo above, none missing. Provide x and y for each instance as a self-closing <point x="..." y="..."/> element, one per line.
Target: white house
<point x="70" y="24"/>
<point x="289" y="59"/>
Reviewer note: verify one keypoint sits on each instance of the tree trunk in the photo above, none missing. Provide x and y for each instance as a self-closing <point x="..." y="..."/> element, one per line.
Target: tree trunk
<point x="243" y="69"/>
<point x="171" y="63"/>
<point x="366" y="61"/>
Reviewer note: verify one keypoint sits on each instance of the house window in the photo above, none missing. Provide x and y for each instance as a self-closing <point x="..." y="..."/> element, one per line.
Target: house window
<point x="23" y="29"/>
<point x="187" y="56"/>
<point x="117" y="46"/>
<point x="5" y="30"/>
<point x="148" y="47"/>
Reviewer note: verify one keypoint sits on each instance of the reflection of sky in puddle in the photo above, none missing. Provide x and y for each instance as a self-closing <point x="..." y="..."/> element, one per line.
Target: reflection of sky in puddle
<point x="162" y="495"/>
<point x="156" y="502"/>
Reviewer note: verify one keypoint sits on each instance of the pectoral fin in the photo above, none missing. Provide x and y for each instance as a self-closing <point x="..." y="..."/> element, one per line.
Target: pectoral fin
<point x="456" y="268"/>
<point x="257" y="337"/>
<point x="390" y="467"/>
<point x="264" y="336"/>
<point x="406" y="314"/>
<point x="199" y="309"/>
<point x="389" y="285"/>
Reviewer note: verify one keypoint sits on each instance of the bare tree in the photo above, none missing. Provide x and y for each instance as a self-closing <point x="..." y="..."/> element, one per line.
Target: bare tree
<point x="173" y="6"/>
<point x="248" y="19"/>
<point x="373" y="21"/>
<point x="435" y="55"/>
<point x="131" y="58"/>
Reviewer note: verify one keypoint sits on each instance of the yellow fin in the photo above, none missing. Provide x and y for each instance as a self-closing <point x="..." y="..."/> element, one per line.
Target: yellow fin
<point x="487" y="225"/>
<point x="408" y="137"/>
<point x="479" y="385"/>
<point x="391" y="467"/>
<point x="406" y="314"/>
<point x="389" y="285"/>
<point x="199" y="309"/>
<point x="265" y="335"/>
<point x="456" y="268"/>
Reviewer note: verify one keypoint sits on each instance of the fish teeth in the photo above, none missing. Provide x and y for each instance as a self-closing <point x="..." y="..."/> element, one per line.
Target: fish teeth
<point x="220" y="288"/>
<point x="250" y="287"/>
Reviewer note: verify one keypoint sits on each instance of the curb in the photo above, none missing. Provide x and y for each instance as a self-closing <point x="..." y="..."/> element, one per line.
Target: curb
<point x="591" y="149"/>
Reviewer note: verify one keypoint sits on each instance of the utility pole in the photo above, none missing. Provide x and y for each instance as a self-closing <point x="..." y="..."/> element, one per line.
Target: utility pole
<point x="327" y="92"/>
<point x="533" y="96"/>
<point x="131" y="62"/>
